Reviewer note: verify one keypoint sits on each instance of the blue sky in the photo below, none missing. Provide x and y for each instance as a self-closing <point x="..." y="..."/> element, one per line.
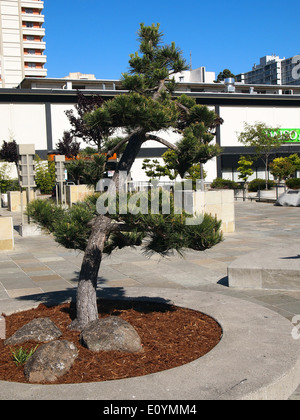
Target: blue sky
<point x="94" y="36"/>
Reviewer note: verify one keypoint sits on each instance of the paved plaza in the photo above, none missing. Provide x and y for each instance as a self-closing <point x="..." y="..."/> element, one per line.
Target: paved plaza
<point x="39" y="265"/>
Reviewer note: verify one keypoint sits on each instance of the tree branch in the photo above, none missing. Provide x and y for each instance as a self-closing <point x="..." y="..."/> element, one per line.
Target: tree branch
<point x="161" y="140"/>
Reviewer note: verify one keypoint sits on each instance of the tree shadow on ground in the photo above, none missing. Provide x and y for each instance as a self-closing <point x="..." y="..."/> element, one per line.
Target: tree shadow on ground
<point x="116" y="295"/>
<point x="296" y="257"/>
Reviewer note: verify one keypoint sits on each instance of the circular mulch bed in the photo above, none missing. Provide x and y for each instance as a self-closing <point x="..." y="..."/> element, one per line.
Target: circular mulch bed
<point x="171" y="336"/>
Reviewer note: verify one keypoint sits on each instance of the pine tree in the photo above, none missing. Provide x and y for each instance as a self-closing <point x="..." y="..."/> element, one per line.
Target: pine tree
<point x="148" y="107"/>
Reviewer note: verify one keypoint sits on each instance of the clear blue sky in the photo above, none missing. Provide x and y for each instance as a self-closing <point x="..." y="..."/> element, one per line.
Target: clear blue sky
<point x="94" y="36"/>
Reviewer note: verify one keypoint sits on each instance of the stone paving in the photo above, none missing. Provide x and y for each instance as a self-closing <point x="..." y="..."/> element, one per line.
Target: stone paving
<point x="39" y="265"/>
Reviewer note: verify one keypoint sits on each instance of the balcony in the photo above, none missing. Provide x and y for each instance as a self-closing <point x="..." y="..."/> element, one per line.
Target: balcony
<point x="35" y="72"/>
<point x="32" y="4"/>
<point x="34" y="45"/>
<point x="34" y="31"/>
<point x="29" y="17"/>
<point x="35" y="58"/>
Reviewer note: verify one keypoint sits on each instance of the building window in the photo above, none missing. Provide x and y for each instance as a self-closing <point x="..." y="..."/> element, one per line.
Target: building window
<point x="29" y="24"/>
<point x="29" y="11"/>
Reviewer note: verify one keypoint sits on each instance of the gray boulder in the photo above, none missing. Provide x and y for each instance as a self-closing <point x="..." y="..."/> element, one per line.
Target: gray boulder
<point x="40" y="330"/>
<point x="289" y="198"/>
<point x="50" y="361"/>
<point x="111" y="333"/>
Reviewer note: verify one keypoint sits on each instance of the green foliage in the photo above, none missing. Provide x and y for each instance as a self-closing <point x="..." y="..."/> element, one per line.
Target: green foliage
<point x="263" y="139"/>
<point x="160" y="233"/>
<point x="226" y="73"/>
<point x="20" y="355"/>
<point x="282" y="168"/>
<point x="153" y="63"/>
<point x="45" y="213"/>
<point x="245" y="168"/>
<point x="224" y="184"/>
<point x="44" y="175"/>
<point x="4" y="178"/>
<point x="293" y="183"/>
<point x="260" y="184"/>
<point x="88" y="169"/>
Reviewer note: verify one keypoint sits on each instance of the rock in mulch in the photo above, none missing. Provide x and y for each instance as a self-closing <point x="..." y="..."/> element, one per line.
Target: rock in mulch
<point x="40" y="329"/>
<point x="50" y="361"/>
<point x="111" y="333"/>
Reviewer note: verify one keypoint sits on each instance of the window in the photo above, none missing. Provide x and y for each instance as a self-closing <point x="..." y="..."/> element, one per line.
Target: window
<point x="29" y="11"/>
<point x="30" y="37"/>
<point x="29" y="24"/>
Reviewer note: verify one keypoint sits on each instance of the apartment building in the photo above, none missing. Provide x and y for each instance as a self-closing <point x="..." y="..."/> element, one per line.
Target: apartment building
<point x="21" y="41"/>
<point x="273" y="70"/>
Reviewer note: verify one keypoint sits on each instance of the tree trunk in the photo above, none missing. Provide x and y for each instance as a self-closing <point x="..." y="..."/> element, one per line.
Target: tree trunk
<point x="266" y="172"/>
<point x="86" y="300"/>
<point x="130" y="153"/>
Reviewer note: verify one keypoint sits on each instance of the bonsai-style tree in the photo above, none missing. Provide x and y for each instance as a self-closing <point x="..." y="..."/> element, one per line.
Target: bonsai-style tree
<point x="148" y="107"/>
<point x="264" y="139"/>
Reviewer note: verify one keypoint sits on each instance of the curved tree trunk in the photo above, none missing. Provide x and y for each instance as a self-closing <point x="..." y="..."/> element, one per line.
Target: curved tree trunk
<point x="86" y="300"/>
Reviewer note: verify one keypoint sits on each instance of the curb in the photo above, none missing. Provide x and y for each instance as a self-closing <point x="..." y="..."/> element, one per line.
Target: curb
<point x="257" y="358"/>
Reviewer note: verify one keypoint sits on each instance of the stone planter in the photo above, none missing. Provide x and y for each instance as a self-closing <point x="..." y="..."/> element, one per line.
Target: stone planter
<point x="267" y="194"/>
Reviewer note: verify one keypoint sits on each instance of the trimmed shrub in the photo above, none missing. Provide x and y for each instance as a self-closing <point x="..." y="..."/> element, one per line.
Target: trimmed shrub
<point x="293" y="183"/>
<point x="259" y="184"/>
<point x="224" y="184"/>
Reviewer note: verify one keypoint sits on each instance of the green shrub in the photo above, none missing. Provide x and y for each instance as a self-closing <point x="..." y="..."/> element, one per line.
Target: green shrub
<point x="293" y="183"/>
<point x="162" y="232"/>
<point x="45" y="213"/>
<point x="259" y="184"/>
<point x="224" y="184"/>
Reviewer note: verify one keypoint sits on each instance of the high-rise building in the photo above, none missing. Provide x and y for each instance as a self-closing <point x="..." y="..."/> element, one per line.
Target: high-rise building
<point x="21" y="41"/>
<point x="273" y="70"/>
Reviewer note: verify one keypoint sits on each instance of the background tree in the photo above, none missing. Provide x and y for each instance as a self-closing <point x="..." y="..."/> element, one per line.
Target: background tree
<point x="264" y="139"/>
<point x="9" y="151"/>
<point x="284" y="167"/>
<point x="148" y="107"/>
<point x="44" y="175"/>
<point x="68" y="146"/>
<point x="225" y="74"/>
<point x="94" y="135"/>
<point x="245" y="168"/>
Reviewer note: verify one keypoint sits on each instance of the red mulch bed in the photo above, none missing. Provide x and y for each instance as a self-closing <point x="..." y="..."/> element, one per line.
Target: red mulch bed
<point x="171" y="336"/>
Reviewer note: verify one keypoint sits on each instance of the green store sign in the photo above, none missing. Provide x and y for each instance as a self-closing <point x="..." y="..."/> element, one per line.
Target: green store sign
<point x="294" y="134"/>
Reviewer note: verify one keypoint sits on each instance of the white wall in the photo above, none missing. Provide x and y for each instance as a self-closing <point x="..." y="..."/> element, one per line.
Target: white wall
<point x="25" y="123"/>
<point x="60" y="122"/>
<point x="234" y="118"/>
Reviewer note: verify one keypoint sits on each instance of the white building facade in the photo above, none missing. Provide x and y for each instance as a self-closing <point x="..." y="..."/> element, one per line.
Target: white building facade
<point x="273" y="70"/>
<point x="35" y="113"/>
<point x="21" y="41"/>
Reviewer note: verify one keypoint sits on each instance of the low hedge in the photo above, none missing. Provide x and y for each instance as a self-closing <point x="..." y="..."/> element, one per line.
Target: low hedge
<point x="293" y="183"/>
<point x="259" y="184"/>
<point x="224" y="184"/>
